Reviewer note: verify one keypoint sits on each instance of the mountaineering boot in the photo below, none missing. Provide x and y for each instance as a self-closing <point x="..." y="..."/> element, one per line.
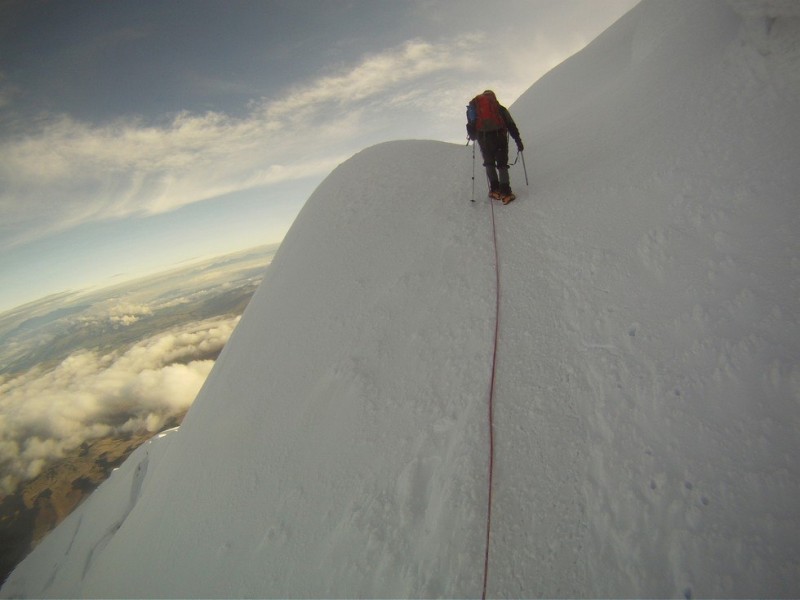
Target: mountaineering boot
<point x="505" y="193"/>
<point x="494" y="190"/>
<point x="508" y="198"/>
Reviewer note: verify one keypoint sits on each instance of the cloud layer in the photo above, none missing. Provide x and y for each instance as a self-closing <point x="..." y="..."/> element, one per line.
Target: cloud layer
<point x="45" y="413"/>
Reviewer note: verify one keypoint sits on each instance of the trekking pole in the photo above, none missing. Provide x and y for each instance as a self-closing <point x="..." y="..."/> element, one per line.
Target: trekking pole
<point x="473" y="171"/>
<point x="524" y="168"/>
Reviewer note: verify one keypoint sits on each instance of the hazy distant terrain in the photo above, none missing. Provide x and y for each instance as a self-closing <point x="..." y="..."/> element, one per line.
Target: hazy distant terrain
<point x="51" y="329"/>
<point x="86" y="377"/>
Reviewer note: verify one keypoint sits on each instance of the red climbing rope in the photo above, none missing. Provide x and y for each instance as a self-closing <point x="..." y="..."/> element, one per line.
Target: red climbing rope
<point x="491" y="404"/>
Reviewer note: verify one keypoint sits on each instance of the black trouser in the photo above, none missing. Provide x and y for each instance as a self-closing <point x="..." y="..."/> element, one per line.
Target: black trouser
<point x="494" y="148"/>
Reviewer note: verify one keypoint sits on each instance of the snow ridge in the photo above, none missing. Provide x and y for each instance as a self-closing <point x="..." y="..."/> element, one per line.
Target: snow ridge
<point x="647" y="388"/>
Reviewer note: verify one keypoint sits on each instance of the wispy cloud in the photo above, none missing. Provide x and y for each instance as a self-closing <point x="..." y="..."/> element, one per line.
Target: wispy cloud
<point x="66" y="172"/>
<point x="376" y="75"/>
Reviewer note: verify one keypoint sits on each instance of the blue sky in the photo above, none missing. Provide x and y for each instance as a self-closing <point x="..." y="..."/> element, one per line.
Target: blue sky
<point x="138" y="134"/>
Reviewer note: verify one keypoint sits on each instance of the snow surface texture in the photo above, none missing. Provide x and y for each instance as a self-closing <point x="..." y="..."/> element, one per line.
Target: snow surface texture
<point x="648" y="376"/>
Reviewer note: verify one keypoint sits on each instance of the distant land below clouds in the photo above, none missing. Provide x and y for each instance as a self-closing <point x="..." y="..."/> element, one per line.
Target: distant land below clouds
<point x="117" y="361"/>
<point x="86" y="377"/>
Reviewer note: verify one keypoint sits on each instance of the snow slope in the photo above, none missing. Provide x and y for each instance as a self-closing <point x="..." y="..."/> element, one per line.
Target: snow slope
<point x="648" y="369"/>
